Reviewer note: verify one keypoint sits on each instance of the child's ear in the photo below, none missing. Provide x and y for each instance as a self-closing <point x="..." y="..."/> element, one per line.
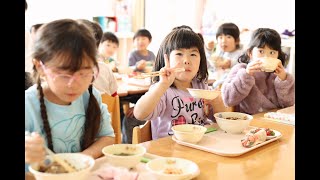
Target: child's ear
<point x="37" y="65"/>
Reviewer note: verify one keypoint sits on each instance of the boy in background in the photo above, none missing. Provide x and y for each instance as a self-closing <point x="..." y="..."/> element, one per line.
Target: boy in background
<point x="141" y="56"/>
<point x="108" y="46"/>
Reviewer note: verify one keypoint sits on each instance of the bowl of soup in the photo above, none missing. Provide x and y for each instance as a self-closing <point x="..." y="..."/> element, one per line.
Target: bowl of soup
<point x="233" y="122"/>
<point x="269" y="64"/>
<point x="54" y="171"/>
<point x="124" y="155"/>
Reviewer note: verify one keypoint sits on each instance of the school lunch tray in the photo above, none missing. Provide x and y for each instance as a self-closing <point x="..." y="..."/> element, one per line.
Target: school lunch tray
<point x="225" y="144"/>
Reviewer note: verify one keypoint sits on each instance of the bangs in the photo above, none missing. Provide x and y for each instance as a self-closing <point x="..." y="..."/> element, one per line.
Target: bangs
<point x="187" y="40"/>
<point x="72" y="62"/>
<point x="270" y="41"/>
<point x="262" y="37"/>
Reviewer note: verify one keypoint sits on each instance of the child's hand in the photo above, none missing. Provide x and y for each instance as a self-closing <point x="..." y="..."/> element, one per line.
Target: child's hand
<point x="141" y="64"/>
<point x="207" y="106"/>
<point x="167" y="74"/>
<point x="210" y="45"/>
<point x="226" y="64"/>
<point x="280" y="72"/>
<point x="130" y="112"/>
<point x="34" y="148"/>
<point x="254" y="66"/>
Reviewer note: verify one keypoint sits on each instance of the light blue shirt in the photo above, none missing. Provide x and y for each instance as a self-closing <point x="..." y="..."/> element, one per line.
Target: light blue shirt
<point x="66" y="121"/>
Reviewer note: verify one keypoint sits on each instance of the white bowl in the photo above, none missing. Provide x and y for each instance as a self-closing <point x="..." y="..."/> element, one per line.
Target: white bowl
<point x="124" y="155"/>
<point x="78" y="160"/>
<point x="233" y="126"/>
<point x="203" y="93"/>
<point x="269" y="64"/>
<point x="189" y="132"/>
<point x="180" y="168"/>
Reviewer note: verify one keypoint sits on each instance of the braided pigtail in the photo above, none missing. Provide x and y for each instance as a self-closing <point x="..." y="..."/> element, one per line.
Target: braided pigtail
<point x="44" y="115"/>
<point x="92" y="124"/>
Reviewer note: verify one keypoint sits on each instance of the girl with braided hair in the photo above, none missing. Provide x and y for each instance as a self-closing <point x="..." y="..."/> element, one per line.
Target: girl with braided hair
<point x="62" y="110"/>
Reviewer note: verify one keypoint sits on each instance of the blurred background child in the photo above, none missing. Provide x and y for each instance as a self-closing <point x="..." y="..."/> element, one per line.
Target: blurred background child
<point x="227" y="52"/>
<point x="141" y="57"/>
<point x="108" y="46"/>
<point x="166" y="102"/>
<point x="63" y="111"/>
<point x="252" y="90"/>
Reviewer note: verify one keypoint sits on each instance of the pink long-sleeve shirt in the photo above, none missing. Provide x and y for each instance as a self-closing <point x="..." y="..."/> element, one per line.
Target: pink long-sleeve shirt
<point x="261" y="92"/>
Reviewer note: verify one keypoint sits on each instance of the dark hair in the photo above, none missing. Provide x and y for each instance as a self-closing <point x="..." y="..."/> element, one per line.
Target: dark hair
<point x="36" y="27"/>
<point x="229" y="29"/>
<point x="182" y="37"/>
<point x="26" y="6"/>
<point x="95" y="28"/>
<point x="262" y="37"/>
<point x="109" y="36"/>
<point x="142" y="32"/>
<point x="70" y="44"/>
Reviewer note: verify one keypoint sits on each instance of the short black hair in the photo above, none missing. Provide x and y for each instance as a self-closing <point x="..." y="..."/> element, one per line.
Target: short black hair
<point x="229" y="29"/>
<point x="143" y="32"/>
<point x="26" y="6"/>
<point x="109" y="36"/>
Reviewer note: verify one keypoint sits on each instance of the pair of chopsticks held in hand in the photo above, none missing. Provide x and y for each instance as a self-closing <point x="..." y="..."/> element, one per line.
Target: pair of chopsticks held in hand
<point x="158" y="73"/>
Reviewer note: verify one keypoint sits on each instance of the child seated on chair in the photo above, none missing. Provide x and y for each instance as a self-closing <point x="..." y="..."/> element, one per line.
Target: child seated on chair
<point x="249" y="88"/>
<point x="168" y="102"/>
<point x="141" y="58"/>
<point x="108" y="46"/>
<point x="227" y="52"/>
<point x="105" y="82"/>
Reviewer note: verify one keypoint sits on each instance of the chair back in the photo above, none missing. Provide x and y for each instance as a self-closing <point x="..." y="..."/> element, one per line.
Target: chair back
<point x="113" y="104"/>
<point x="142" y="133"/>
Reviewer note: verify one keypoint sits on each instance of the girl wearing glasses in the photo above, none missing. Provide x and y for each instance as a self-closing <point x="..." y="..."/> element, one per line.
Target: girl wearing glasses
<point x="62" y="109"/>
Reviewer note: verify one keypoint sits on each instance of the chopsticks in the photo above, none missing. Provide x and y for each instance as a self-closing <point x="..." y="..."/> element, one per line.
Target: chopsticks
<point x="156" y="73"/>
<point x="66" y="165"/>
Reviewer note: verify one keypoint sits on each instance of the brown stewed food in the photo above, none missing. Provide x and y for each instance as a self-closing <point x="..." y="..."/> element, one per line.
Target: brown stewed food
<point x="237" y="118"/>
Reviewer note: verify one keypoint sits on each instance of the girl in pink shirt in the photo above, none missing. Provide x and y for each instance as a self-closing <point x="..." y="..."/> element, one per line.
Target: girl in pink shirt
<point x="249" y="88"/>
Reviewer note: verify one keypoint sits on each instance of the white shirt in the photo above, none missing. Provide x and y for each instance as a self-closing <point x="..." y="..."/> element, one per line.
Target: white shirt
<point x="106" y="81"/>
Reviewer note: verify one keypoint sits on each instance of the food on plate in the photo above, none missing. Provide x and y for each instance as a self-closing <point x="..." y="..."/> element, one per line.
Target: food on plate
<point x="236" y="118"/>
<point x="173" y="170"/>
<point x="256" y="136"/>
<point x="54" y="168"/>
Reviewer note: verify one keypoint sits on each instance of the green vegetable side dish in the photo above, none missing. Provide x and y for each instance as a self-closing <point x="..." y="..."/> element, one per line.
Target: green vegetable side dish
<point x="144" y="160"/>
<point x="210" y="129"/>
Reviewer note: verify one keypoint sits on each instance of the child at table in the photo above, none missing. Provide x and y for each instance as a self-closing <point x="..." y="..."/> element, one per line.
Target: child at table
<point x="105" y="81"/>
<point x="141" y="57"/>
<point x="108" y="46"/>
<point x="227" y="52"/>
<point x="168" y="102"/>
<point x="252" y="90"/>
<point x="63" y="111"/>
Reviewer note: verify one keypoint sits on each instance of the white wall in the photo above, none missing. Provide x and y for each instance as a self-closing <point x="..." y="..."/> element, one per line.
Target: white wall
<point x="43" y="11"/>
<point x="162" y="15"/>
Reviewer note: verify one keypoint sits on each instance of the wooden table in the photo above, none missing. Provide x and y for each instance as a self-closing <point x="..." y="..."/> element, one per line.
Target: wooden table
<point x="275" y="160"/>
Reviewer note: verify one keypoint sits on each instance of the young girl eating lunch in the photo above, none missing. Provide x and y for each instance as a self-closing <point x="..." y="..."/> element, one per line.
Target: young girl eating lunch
<point x="252" y="89"/>
<point x="168" y="102"/>
<point x="62" y="110"/>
